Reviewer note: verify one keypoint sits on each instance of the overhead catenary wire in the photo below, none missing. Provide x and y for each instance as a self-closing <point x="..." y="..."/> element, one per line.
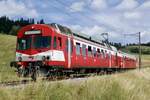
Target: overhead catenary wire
<point x="83" y="15"/>
<point x="139" y="39"/>
<point x="64" y="12"/>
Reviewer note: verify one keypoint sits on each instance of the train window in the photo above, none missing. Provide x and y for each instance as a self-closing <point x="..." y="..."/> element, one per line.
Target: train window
<point x="42" y="41"/>
<point x="109" y="55"/>
<point x="103" y="54"/>
<point x="24" y="43"/>
<point x="55" y="44"/>
<point x="59" y="42"/>
<point x="71" y="46"/>
<point x="89" y="51"/>
<point x="98" y="52"/>
<point x="83" y="49"/>
<point x="77" y="48"/>
<point x="94" y="51"/>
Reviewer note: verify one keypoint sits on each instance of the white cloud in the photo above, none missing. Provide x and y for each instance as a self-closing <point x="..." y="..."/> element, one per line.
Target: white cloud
<point x="145" y="36"/>
<point x="127" y="5"/>
<point x="75" y="28"/>
<point x="98" y="4"/>
<point x="94" y="30"/>
<point x="114" y="20"/>
<point x="14" y="8"/>
<point x="145" y="5"/>
<point x="128" y="17"/>
<point x="43" y="5"/>
<point x="117" y="25"/>
<point x="132" y="15"/>
<point x="77" y="6"/>
<point x="88" y="29"/>
<point x="29" y="3"/>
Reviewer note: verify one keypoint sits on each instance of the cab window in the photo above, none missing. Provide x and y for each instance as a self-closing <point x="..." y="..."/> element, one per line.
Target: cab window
<point x="24" y="43"/>
<point x="55" y="44"/>
<point x="42" y="41"/>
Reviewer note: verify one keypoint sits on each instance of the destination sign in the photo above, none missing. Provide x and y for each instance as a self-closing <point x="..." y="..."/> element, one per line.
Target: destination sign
<point x="32" y="32"/>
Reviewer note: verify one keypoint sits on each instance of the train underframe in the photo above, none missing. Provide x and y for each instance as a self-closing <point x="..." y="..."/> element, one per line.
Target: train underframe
<point x="35" y="69"/>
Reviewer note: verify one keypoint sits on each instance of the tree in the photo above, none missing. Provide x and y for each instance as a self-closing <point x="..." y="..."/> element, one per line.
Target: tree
<point x="41" y="21"/>
<point x="14" y="30"/>
<point x="8" y="26"/>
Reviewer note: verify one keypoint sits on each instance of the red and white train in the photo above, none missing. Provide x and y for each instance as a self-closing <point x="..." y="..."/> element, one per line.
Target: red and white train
<point x="55" y="47"/>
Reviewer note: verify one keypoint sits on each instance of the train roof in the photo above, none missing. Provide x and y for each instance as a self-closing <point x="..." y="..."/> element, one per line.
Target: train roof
<point x="114" y="48"/>
<point x="67" y="31"/>
<point x="61" y="29"/>
<point x="128" y="55"/>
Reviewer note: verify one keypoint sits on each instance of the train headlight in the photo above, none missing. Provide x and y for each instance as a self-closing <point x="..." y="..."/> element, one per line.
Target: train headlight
<point x="19" y="58"/>
<point x="43" y="58"/>
<point x="48" y="57"/>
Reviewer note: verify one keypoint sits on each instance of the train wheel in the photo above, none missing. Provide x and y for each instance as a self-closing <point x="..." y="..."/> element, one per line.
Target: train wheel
<point x="34" y="74"/>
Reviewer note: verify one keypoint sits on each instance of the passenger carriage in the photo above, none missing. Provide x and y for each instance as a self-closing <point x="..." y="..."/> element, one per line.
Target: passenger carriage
<point x="55" y="47"/>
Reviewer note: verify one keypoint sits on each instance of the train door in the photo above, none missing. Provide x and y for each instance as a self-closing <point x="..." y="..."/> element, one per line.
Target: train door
<point x="69" y="52"/>
<point x="59" y="41"/>
<point x="116" y="59"/>
<point x="84" y="58"/>
<point x="109" y="57"/>
<point x="78" y="56"/>
<point x="120" y="61"/>
<point x="90" y="59"/>
<point x="123" y="62"/>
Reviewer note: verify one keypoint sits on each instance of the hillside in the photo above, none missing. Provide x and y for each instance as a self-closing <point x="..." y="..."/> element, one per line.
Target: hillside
<point x="145" y="53"/>
<point x="131" y="85"/>
<point x="7" y="53"/>
<point x="135" y="49"/>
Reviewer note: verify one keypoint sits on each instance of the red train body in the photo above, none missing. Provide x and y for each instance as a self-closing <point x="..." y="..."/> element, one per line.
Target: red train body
<point x="55" y="46"/>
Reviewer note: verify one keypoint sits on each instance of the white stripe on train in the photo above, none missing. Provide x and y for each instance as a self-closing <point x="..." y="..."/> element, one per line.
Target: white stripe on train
<point x="55" y="55"/>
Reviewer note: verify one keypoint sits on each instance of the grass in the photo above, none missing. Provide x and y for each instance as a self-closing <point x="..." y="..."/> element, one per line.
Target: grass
<point x="145" y="60"/>
<point x="7" y="53"/>
<point x="131" y="85"/>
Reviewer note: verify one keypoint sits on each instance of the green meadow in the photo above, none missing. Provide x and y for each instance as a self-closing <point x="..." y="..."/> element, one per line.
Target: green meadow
<point x="130" y="85"/>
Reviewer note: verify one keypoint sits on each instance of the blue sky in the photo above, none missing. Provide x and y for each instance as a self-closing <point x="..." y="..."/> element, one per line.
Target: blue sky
<point x="92" y="17"/>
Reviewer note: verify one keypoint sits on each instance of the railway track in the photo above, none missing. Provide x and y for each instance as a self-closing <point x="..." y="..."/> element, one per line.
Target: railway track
<point x="52" y="78"/>
<point x="27" y="81"/>
<point x="14" y="83"/>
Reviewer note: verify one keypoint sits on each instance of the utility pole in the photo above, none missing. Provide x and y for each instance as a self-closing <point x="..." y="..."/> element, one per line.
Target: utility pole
<point x="139" y="44"/>
<point x="139" y="50"/>
<point x="106" y="38"/>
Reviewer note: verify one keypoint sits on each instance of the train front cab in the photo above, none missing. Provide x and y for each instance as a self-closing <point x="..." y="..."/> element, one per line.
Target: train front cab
<point x="40" y="45"/>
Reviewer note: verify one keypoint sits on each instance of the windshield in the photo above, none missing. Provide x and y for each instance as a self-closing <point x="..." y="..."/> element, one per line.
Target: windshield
<point x="39" y="42"/>
<point x="24" y="43"/>
<point x="42" y="42"/>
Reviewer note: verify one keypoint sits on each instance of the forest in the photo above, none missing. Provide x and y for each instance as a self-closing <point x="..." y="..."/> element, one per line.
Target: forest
<point x="10" y="27"/>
